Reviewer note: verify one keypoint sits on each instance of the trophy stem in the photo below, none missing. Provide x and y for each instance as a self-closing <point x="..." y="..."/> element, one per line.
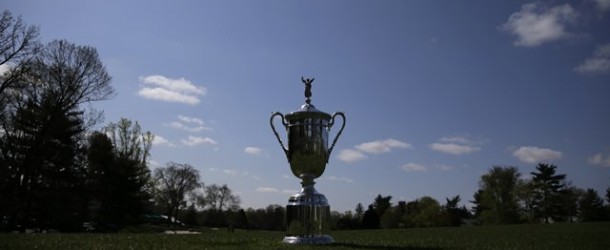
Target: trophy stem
<point x="308" y="216"/>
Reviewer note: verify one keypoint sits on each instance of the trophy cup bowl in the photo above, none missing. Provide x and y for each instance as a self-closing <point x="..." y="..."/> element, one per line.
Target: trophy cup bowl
<point x="307" y="212"/>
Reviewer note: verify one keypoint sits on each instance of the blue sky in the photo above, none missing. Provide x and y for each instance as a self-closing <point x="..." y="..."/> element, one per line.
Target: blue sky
<point x="435" y="92"/>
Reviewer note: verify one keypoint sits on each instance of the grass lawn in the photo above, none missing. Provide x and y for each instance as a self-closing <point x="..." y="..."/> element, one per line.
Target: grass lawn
<point x="557" y="236"/>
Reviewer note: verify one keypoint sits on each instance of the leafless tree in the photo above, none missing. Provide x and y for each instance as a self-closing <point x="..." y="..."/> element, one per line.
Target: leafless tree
<point x="173" y="183"/>
<point x="221" y="197"/>
<point x="18" y="44"/>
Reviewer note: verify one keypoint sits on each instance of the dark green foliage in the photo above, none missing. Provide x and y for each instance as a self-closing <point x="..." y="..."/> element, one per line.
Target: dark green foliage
<point x="496" y="199"/>
<point x="344" y="221"/>
<point x="272" y="218"/>
<point x="381" y="204"/>
<point x="370" y="219"/>
<point x="591" y="206"/>
<point x="454" y="213"/>
<point x="547" y="202"/>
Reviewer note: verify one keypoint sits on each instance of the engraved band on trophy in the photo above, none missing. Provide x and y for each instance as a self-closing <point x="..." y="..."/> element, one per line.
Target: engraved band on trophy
<point x="308" y="212"/>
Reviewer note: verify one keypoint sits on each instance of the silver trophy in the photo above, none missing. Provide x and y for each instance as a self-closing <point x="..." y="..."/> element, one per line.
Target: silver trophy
<point x="308" y="212"/>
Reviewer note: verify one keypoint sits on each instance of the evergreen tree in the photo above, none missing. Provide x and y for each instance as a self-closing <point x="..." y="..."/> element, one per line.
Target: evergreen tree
<point x="547" y="200"/>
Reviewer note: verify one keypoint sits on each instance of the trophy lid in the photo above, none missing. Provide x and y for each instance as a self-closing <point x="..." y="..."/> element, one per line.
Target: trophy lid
<point x="307" y="110"/>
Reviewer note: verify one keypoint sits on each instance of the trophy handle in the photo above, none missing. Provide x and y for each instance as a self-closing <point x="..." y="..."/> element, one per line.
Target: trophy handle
<point x="332" y="122"/>
<point x="275" y="132"/>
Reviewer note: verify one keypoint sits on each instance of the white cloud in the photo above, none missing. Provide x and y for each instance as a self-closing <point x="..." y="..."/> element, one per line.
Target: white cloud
<point x="602" y="5"/>
<point x="159" y="141"/>
<point x="171" y="90"/>
<point x="531" y="154"/>
<point x="178" y="125"/>
<point x="456" y="139"/>
<point x="600" y="160"/>
<point x="340" y="179"/>
<point x="453" y="148"/>
<point x="350" y="155"/>
<point x="4" y="68"/>
<point x="446" y="167"/>
<point x="456" y="145"/>
<point x="410" y="167"/>
<point x="198" y="124"/>
<point x="289" y="191"/>
<point x="154" y="164"/>
<point x="267" y="190"/>
<point x="230" y="172"/>
<point x="599" y="62"/>
<point x="377" y="147"/>
<point x="191" y="120"/>
<point x="196" y="140"/>
<point x="536" y="24"/>
<point x="253" y="150"/>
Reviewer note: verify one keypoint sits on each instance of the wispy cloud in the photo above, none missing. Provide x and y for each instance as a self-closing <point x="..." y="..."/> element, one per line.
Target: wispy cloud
<point x="289" y="191"/>
<point x="196" y="140"/>
<point x="414" y="167"/>
<point x="446" y="167"/>
<point x="161" y="88"/>
<point x="253" y="151"/>
<point x="599" y="62"/>
<point x="351" y="155"/>
<point x="453" y="148"/>
<point x="267" y="190"/>
<point x="160" y="141"/>
<point x="600" y="160"/>
<point x="456" y="145"/>
<point x="536" y="23"/>
<point x="602" y="5"/>
<point x="372" y="147"/>
<point x="532" y="155"/>
<point x="382" y="146"/>
<point x="190" y="124"/>
<point x="340" y="179"/>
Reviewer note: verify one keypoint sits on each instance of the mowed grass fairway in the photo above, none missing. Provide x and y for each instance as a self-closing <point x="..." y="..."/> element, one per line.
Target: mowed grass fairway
<point x="556" y="236"/>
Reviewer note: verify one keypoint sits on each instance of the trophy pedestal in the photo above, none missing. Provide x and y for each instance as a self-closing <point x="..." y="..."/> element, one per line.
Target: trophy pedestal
<point x="308" y="218"/>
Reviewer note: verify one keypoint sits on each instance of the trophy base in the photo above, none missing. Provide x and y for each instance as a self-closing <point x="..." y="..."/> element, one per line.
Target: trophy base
<point x="308" y="218"/>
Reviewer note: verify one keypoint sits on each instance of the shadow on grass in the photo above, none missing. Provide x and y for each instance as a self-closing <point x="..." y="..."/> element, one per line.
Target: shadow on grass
<point x="390" y="247"/>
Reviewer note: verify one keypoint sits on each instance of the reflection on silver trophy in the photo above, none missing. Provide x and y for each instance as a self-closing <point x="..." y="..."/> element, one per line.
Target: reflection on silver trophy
<point x="308" y="212"/>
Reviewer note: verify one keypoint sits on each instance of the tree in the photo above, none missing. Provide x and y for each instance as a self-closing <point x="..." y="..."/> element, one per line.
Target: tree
<point x="525" y="193"/>
<point x="18" y="45"/>
<point x="429" y="211"/>
<point x="47" y="113"/>
<point x="221" y="197"/>
<point x="174" y="182"/>
<point x="128" y="179"/>
<point x="454" y="213"/>
<point x="548" y="184"/>
<point x="370" y="219"/>
<point x="591" y="206"/>
<point x="101" y="160"/>
<point x="568" y="200"/>
<point x="497" y="195"/>
<point x="359" y="211"/>
<point x="381" y="204"/>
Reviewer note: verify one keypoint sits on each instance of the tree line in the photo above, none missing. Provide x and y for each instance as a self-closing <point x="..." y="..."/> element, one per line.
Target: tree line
<point x="503" y="197"/>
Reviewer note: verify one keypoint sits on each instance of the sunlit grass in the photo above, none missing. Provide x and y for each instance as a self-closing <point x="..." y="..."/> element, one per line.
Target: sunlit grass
<point x="558" y="236"/>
